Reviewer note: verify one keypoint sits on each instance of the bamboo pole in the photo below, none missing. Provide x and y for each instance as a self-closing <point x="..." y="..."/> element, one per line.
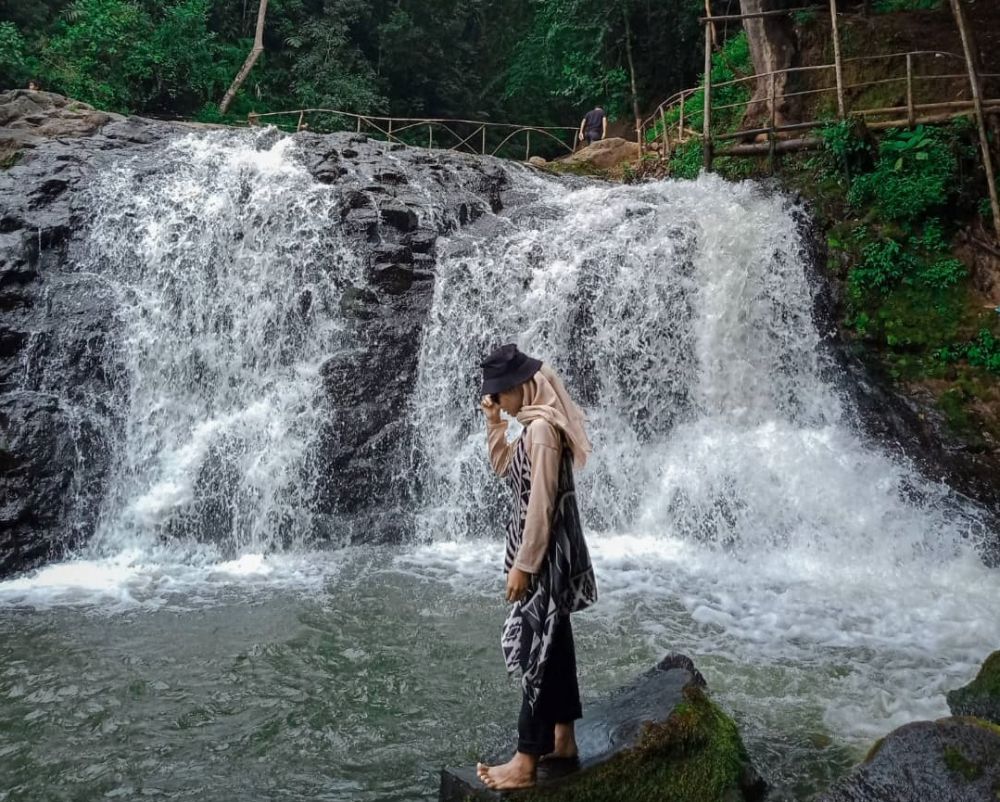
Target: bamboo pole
<point x="773" y="121"/>
<point x="302" y="115"/>
<point x="911" y="114"/>
<point x="837" y="64"/>
<point x="258" y="48"/>
<point x="483" y="129"/>
<point x="430" y="136"/>
<point x="666" y="133"/>
<point x="707" y="127"/>
<point x="984" y="142"/>
<point x="680" y="129"/>
<point x="527" y="144"/>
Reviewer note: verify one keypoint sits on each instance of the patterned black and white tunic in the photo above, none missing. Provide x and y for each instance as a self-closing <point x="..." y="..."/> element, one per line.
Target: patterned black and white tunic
<point x="565" y="583"/>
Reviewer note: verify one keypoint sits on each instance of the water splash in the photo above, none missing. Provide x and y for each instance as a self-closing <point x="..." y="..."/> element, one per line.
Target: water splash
<point x="227" y="271"/>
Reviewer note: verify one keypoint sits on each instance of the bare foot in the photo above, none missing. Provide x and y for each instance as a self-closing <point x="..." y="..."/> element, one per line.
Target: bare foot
<point x="519" y="772"/>
<point x="565" y="743"/>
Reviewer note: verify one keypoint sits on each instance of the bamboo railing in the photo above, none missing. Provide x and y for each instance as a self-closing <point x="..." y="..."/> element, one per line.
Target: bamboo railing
<point x="669" y="124"/>
<point x="453" y="134"/>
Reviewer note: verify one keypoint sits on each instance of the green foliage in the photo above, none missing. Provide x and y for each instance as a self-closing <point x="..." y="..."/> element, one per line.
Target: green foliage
<point x="890" y="6"/>
<point x="120" y="56"/>
<point x="16" y="66"/>
<point x="846" y="146"/>
<point x="905" y="288"/>
<point x="730" y="62"/>
<point x="982" y="352"/>
<point x="913" y="175"/>
<point x="573" y="55"/>
<point x="687" y="159"/>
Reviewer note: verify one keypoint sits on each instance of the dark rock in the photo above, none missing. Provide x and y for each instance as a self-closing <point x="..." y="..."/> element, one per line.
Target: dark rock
<point x="421" y="241"/>
<point x="59" y="368"/>
<point x="659" y="738"/>
<point x="981" y="697"/>
<point x="358" y="302"/>
<point x="393" y="278"/>
<point x="392" y="252"/>
<point x="950" y="760"/>
<point x="398" y="216"/>
<point x="363" y="221"/>
<point x="328" y="171"/>
<point x="390" y="176"/>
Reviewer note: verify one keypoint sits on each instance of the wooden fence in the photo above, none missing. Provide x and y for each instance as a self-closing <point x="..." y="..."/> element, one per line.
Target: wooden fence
<point x="669" y="125"/>
<point x="459" y="135"/>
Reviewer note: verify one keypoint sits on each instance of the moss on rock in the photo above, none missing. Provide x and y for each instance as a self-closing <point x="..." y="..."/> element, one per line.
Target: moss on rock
<point x="695" y="755"/>
<point x="981" y="697"/>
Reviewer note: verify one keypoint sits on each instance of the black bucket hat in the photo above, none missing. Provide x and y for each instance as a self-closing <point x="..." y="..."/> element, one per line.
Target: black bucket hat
<point x="507" y="367"/>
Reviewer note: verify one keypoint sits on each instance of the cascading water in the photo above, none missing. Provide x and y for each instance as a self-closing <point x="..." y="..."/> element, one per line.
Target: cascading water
<point x="226" y="270"/>
<point x="735" y="512"/>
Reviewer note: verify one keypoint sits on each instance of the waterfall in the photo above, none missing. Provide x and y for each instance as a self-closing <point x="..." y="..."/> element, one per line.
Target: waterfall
<point x="680" y="314"/>
<point x="227" y="273"/>
<point x="734" y="509"/>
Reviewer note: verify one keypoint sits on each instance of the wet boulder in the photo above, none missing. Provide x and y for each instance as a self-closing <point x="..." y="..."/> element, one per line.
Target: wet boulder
<point x="660" y="738"/>
<point x="949" y="760"/>
<point x="981" y="697"/>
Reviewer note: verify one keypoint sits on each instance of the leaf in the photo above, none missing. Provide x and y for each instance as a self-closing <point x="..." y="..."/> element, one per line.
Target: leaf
<point x="922" y="156"/>
<point x="899" y="164"/>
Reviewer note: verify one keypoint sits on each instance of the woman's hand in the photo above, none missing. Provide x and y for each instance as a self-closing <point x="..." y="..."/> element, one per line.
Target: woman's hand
<point x="518" y="582"/>
<point x="490" y="410"/>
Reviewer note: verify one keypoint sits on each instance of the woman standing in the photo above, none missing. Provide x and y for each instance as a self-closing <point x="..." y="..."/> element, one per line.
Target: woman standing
<point x="549" y="574"/>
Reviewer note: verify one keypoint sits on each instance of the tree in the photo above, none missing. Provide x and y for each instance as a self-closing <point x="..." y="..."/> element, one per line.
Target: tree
<point x="773" y="47"/>
<point x="258" y="48"/>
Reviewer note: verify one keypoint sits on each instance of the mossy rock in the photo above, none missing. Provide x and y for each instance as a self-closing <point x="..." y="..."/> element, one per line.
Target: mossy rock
<point x="950" y="760"/>
<point x="660" y="739"/>
<point x="981" y="697"/>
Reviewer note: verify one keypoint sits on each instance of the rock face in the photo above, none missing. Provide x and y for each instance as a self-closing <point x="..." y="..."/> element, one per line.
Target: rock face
<point x="981" y="697"/>
<point x="57" y="319"/>
<point x="660" y="738"/>
<point x="951" y="760"/>
<point x="604" y="154"/>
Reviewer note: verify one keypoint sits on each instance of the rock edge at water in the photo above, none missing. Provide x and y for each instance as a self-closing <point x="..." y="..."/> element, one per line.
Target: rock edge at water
<point x="660" y="738"/>
<point x="949" y="760"/>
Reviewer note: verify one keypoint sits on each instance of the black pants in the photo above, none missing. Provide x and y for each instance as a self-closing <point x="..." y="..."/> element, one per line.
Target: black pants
<point x="590" y="137"/>
<point x="559" y="698"/>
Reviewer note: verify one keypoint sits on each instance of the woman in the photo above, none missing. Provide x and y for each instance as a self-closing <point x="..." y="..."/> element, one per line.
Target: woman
<point x="548" y="568"/>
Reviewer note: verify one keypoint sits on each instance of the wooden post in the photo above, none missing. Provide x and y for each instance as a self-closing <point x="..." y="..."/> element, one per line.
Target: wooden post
<point x="911" y="115"/>
<point x="483" y="129"/>
<point x="666" y="134"/>
<point x="984" y="142"/>
<point x="359" y="125"/>
<point x="837" y="66"/>
<point x="680" y="132"/>
<point x="389" y="134"/>
<point x="252" y="119"/>
<point x="527" y="144"/>
<point x="430" y="136"/>
<point x="707" y="127"/>
<point x="773" y="121"/>
<point x="302" y="115"/>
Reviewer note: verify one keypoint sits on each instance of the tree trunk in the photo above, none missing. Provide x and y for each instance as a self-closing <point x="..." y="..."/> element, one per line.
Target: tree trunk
<point x="258" y="48"/>
<point x="773" y="46"/>
<point x="631" y="72"/>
